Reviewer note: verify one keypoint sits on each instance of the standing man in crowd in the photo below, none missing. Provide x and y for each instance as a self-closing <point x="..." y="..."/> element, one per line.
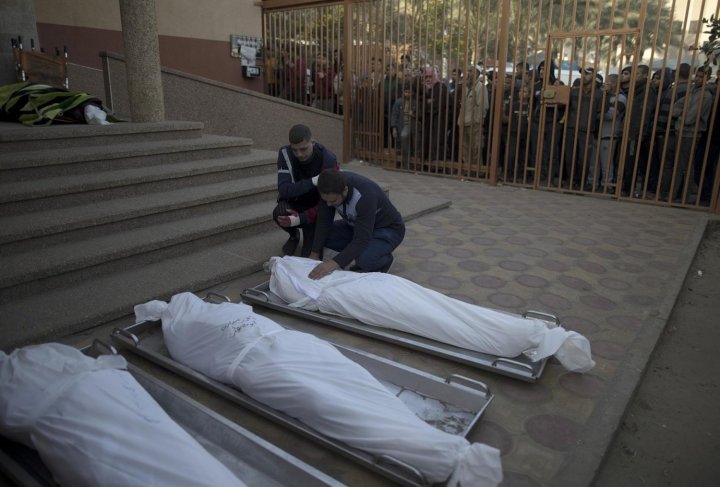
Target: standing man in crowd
<point x="299" y="165"/>
<point x="370" y="228"/>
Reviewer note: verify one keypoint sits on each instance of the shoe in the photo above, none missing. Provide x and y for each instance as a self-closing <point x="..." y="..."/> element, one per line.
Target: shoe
<point x="387" y="266"/>
<point x="289" y="247"/>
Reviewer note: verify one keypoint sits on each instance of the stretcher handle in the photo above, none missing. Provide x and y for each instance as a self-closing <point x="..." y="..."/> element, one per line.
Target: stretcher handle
<point x="257" y="293"/>
<point x="221" y="297"/>
<point x="512" y="363"/>
<point x="98" y="344"/>
<point x="542" y="315"/>
<point x="475" y="384"/>
<point x="128" y="335"/>
<point x="412" y="471"/>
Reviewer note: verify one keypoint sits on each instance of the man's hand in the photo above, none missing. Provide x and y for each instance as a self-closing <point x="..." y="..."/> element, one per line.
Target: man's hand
<point x="314" y="256"/>
<point x="323" y="269"/>
<point x="291" y="220"/>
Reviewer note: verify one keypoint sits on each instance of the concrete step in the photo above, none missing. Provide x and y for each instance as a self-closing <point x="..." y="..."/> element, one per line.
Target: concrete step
<point x="84" y="304"/>
<point x="63" y="191"/>
<point x="74" y="256"/>
<point x="17" y="137"/>
<point x="37" y="164"/>
<point x="136" y="211"/>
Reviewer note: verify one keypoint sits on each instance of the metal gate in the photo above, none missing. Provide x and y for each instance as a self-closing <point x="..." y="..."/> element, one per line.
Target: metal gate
<point x="590" y="97"/>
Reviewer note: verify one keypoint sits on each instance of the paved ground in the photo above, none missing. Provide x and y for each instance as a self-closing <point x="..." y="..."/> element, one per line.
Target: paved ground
<point x="609" y="270"/>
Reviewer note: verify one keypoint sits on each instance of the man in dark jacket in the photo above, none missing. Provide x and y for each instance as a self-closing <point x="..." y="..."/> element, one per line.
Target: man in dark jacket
<point x="299" y="164"/>
<point x="369" y="230"/>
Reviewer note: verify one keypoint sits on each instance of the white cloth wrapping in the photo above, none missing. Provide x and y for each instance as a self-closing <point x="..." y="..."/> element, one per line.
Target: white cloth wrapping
<point x="310" y="380"/>
<point x="389" y="301"/>
<point x="93" y="425"/>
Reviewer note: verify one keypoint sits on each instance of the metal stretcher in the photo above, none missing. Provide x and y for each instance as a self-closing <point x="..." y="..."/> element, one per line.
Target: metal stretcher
<point x="252" y="459"/>
<point x="520" y="367"/>
<point x="453" y="405"/>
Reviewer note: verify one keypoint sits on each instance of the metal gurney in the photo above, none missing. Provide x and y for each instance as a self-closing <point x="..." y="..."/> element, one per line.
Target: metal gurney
<point x="250" y="458"/>
<point x="454" y="405"/>
<point x="520" y="367"/>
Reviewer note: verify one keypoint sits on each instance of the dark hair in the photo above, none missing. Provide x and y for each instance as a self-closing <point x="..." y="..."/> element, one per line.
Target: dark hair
<point x="683" y="71"/>
<point x="299" y="133"/>
<point x="331" y="181"/>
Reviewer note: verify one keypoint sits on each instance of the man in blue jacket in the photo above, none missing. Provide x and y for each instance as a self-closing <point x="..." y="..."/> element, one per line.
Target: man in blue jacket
<point x="369" y="230"/>
<point x="299" y="164"/>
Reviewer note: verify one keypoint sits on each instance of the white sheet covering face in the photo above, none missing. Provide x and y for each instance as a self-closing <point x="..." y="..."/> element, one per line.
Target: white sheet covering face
<point x="310" y="380"/>
<point x="389" y="301"/>
<point x="93" y="425"/>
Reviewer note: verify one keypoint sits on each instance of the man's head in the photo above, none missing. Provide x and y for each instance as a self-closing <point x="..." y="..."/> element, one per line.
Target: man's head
<point x="588" y="75"/>
<point x="301" y="142"/>
<point x="702" y="75"/>
<point x="332" y="187"/>
<point x="683" y="72"/>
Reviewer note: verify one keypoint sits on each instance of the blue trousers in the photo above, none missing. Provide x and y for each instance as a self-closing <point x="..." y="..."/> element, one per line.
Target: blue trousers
<point x="379" y="250"/>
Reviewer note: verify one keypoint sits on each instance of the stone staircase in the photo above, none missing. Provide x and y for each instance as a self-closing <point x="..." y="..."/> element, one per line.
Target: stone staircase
<point x="96" y="219"/>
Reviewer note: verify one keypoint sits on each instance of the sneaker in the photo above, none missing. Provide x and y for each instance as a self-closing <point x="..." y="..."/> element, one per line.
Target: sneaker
<point x="289" y="247"/>
<point x="387" y="266"/>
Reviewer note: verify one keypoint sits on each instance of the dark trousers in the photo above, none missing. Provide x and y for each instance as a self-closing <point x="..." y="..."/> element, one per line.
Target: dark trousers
<point x="378" y="252"/>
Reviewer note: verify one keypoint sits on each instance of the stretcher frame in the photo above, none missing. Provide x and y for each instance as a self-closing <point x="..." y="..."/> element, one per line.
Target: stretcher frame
<point x="252" y="459"/>
<point x="455" y="392"/>
<point x="520" y="367"/>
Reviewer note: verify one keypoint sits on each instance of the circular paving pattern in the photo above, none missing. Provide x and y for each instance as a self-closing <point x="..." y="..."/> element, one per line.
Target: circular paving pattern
<point x="488" y="282"/>
<point x="554" y="265"/>
<point x="460" y="253"/>
<point x="504" y="231"/>
<point x="629" y="267"/>
<point x="470" y="230"/>
<point x="551" y="240"/>
<point x="623" y="322"/>
<point x="533" y="252"/>
<point x="591" y="267"/>
<point x="432" y="266"/>
<point x="640" y="299"/>
<point x="605" y="254"/>
<point x="608" y="350"/>
<point x="518" y="240"/>
<point x="650" y="281"/>
<point x="583" y="385"/>
<point x="519" y="391"/>
<point x="532" y="281"/>
<point x="653" y="244"/>
<point x="615" y="284"/>
<point x="422" y="253"/>
<point x="553" y="302"/>
<point x="507" y="300"/>
<point x="451" y="241"/>
<point x="413" y="242"/>
<point x="437" y="231"/>
<point x="483" y="240"/>
<point x="571" y="252"/>
<point x="575" y="283"/>
<point x="553" y="431"/>
<point x="638" y="254"/>
<point x="584" y="241"/>
<point x="444" y="282"/>
<point x="497" y="252"/>
<point x="494" y="435"/>
<point x="598" y="302"/>
<point x="473" y="265"/>
<point x="513" y="265"/>
<point x="581" y="325"/>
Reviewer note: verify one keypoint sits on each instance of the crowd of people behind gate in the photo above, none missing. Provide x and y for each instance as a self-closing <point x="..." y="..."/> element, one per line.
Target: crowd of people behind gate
<point x="667" y="150"/>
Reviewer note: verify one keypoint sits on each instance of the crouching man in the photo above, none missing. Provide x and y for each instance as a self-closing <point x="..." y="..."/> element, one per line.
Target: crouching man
<point x="368" y="232"/>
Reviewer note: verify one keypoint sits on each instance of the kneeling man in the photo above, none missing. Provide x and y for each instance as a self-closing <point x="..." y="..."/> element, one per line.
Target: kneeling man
<point x="370" y="228"/>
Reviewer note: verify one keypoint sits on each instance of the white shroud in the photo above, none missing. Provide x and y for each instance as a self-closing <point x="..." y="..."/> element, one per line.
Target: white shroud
<point x="310" y="380"/>
<point x="389" y="301"/>
<point x="93" y="425"/>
